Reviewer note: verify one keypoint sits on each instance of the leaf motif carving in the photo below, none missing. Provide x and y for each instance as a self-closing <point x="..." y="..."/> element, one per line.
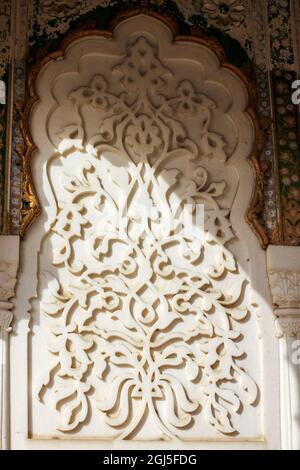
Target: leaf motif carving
<point x="146" y="306"/>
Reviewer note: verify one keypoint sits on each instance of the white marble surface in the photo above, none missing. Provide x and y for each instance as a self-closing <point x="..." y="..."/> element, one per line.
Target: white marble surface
<point x="109" y="111"/>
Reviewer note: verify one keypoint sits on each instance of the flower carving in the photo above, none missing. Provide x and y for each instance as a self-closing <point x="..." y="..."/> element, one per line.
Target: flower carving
<point x="141" y="323"/>
<point x="7" y="280"/>
<point x="54" y="8"/>
<point x="143" y="137"/>
<point x="225" y="12"/>
<point x="94" y="94"/>
<point x="142" y="70"/>
<point x="188" y="100"/>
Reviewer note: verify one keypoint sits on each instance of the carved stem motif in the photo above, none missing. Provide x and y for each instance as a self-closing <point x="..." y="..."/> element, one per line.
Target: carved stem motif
<point x="144" y="315"/>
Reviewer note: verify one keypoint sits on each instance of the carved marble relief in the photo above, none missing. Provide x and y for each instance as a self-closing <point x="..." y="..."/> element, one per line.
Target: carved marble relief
<point x="285" y="288"/>
<point x="7" y="279"/>
<point x="142" y="324"/>
<point x="284" y="279"/>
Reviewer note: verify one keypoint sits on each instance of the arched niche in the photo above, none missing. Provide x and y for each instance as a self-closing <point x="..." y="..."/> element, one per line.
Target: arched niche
<point x="150" y="318"/>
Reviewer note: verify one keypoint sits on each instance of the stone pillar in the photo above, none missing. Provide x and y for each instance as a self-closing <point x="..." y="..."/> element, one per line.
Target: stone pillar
<point x="284" y="278"/>
<point x="9" y="261"/>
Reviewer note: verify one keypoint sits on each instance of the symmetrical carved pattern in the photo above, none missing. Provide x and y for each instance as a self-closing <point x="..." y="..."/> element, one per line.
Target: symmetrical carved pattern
<point x="285" y="287"/>
<point x="284" y="280"/>
<point x="287" y="325"/>
<point x="145" y="308"/>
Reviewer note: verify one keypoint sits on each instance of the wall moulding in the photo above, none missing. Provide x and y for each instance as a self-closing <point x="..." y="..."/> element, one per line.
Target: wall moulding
<point x="30" y="205"/>
<point x="284" y="279"/>
<point x="9" y="264"/>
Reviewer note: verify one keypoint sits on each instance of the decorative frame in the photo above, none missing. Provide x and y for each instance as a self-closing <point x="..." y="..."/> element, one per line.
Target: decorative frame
<point x="30" y="205"/>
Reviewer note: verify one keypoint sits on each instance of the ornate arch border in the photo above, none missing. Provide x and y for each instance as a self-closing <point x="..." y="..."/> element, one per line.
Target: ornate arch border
<point x="30" y="209"/>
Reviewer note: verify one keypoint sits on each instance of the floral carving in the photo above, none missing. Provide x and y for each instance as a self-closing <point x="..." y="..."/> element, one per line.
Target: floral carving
<point x="7" y="280"/>
<point x="142" y="322"/>
<point x="58" y="8"/>
<point x="287" y="326"/>
<point x="285" y="287"/>
<point x="95" y="94"/>
<point x="225" y="12"/>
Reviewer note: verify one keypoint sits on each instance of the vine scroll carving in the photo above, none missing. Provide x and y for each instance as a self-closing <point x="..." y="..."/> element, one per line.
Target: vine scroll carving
<point x="142" y="306"/>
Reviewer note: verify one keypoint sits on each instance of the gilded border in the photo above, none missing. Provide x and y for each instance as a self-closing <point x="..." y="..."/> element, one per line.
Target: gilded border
<point x="31" y="207"/>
